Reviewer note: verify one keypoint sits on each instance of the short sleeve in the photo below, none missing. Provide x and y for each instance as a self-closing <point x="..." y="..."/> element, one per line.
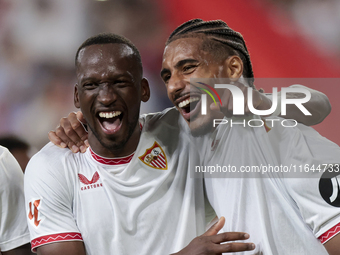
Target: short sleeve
<point x="13" y="226"/>
<point x="316" y="192"/>
<point x="49" y="201"/>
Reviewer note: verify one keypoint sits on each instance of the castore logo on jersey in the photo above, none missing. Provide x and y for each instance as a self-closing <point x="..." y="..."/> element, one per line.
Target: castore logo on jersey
<point x="90" y="184"/>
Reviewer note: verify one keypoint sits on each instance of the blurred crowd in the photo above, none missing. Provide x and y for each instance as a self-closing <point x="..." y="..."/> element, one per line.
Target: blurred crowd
<point x="38" y="42"/>
<point x="39" y="39"/>
<point x="318" y="20"/>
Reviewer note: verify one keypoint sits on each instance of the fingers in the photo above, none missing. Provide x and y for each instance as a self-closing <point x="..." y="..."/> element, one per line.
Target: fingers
<point x="66" y="139"/>
<point x="234" y="247"/>
<point x="219" y="245"/>
<point x="227" y="101"/>
<point x="214" y="229"/>
<point x="74" y="122"/>
<point x="70" y="133"/>
<point x="80" y="117"/>
<point x="212" y="243"/>
<point x="229" y="236"/>
<point x="215" y="107"/>
<point x="56" y="140"/>
<point x="218" y="240"/>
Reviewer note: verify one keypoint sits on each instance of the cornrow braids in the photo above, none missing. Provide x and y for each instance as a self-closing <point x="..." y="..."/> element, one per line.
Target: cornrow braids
<point x="219" y="31"/>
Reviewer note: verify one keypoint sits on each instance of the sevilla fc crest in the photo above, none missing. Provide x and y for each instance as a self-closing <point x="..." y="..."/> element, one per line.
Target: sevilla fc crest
<point x="155" y="157"/>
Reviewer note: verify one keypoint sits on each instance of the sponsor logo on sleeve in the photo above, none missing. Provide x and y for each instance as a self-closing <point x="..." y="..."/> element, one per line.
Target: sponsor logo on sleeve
<point x="329" y="186"/>
<point x="34" y="214"/>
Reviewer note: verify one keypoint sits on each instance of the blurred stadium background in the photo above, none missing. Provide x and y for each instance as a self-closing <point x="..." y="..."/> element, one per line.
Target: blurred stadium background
<point x="39" y="38"/>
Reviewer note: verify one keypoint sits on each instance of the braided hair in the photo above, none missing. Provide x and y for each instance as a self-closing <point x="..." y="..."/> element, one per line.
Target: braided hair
<point x="217" y="32"/>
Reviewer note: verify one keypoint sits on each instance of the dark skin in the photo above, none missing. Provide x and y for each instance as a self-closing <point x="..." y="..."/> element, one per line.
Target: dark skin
<point x="22" y="250"/>
<point x="62" y="248"/>
<point x="214" y="244"/>
<point x="111" y="86"/>
<point x="333" y="245"/>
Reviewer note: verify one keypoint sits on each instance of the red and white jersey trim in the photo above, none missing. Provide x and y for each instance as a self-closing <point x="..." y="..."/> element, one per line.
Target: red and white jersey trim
<point x="72" y="236"/>
<point x="111" y="161"/>
<point x="330" y="233"/>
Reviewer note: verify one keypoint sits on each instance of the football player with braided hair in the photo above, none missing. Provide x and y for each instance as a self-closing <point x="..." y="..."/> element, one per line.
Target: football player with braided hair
<point x="284" y="213"/>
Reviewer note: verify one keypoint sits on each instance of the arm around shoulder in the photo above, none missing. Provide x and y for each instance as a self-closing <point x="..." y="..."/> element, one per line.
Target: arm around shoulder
<point x="318" y="105"/>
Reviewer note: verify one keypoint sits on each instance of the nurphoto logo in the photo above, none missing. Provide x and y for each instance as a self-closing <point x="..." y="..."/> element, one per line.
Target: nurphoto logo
<point x="239" y="103"/>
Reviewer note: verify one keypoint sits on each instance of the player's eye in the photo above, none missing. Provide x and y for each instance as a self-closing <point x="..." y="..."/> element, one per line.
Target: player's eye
<point x="189" y="68"/>
<point x="120" y="82"/>
<point x="166" y="77"/>
<point x="90" y="85"/>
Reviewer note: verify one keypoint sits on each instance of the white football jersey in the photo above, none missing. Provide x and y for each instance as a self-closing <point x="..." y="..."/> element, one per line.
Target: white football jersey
<point x="13" y="226"/>
<point x="145" y="203"/>
<point x="284" y="212"/>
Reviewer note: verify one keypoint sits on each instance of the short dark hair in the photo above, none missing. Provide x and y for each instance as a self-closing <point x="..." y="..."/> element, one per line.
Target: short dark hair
<point x="106" y="38"/>
<point x="217" y="33"/>
<point x="12" y="142"/>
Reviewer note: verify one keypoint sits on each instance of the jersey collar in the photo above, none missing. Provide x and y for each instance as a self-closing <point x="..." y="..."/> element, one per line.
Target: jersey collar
<point x="111" y="161"/>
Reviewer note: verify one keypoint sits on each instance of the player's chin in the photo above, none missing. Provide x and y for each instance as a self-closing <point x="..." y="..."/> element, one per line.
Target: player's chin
<point x="114" y="144"/>
<point x="201" y="125"/>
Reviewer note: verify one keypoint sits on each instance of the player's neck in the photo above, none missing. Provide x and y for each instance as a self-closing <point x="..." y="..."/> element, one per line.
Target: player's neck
<point x="111" y="151"/>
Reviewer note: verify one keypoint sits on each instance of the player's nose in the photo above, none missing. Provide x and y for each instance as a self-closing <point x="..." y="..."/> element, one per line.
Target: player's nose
<point x="176" y="86"/>
<point x="106" y="95"/>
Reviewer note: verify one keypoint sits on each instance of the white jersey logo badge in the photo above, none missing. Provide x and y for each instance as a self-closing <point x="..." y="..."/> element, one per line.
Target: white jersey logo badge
<point x="155" y="157"/>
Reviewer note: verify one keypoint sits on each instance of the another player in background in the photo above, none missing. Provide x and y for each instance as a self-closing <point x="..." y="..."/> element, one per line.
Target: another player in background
<point x="14" y="235"/>
<point x="18" y="148"/>
<point x="129" y="193"/>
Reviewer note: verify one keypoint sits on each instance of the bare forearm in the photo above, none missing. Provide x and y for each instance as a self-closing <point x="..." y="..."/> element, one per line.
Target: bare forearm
<point x="319" y="106"/>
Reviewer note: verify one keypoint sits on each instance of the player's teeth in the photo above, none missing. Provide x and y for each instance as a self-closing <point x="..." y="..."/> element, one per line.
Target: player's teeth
<point x="109" y="115"/>
<point x="188" y="101"/>
<point x="117" y="113"/>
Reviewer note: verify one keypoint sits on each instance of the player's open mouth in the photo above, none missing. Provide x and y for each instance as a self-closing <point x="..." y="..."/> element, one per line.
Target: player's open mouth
<point x="110" y="121"/>
<point x="190" y="107"/>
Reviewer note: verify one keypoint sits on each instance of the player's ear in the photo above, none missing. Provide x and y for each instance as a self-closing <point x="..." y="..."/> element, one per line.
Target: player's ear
<point x="76" y="97"/>
<point x="234" y="67"/>
<point x="145" y="89"/>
